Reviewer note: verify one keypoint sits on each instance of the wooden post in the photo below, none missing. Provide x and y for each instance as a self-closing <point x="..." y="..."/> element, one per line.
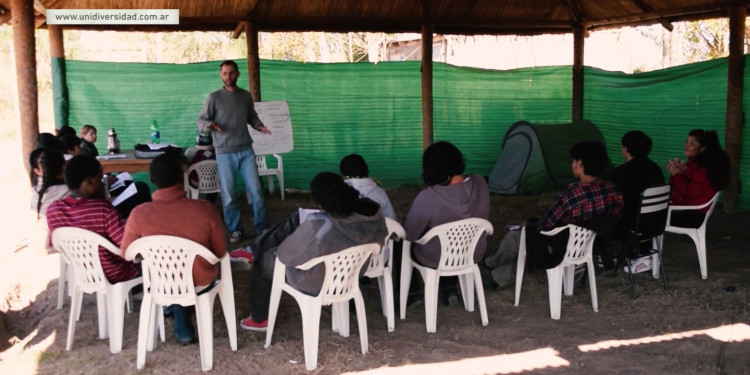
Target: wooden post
<point x="735" y="117"/>
<point x="427" y="86"/>
<point x="25" y="54"/>
<point x="60" y="103"/>
<point x="578" y="37"/>
<point x="253" y="60"/>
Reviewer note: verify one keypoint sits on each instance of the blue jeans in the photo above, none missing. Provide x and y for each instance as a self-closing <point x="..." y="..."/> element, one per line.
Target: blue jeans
<point x="183" y="322"/>
<point x="244" y="162"/>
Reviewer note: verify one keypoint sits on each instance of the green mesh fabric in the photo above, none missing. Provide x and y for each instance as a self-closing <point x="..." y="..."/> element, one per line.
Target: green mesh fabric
<point x="375" y="109"/>
<point x="59" y="92"/>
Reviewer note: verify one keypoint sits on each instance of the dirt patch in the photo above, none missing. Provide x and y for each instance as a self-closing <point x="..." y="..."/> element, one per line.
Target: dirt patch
<point x="670" y="332"/>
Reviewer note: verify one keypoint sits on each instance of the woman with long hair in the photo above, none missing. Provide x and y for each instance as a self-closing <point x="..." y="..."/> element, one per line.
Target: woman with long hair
<point x="48" y="185"/>
<point x="697" y="180"/>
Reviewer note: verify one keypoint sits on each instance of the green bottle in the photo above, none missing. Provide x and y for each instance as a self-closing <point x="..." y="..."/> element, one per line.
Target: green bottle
<point x="155" y="135"/>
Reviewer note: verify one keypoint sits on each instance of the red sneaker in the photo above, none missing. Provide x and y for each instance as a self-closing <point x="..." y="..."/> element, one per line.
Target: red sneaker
<point x="251" y="325"/>
<point x="242" y="255"/>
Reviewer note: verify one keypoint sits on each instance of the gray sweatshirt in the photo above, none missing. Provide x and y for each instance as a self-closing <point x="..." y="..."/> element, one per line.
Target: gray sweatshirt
<point x="322" y="234"/>
<point x="437" y="205"/>
<point x="232" y="111"/>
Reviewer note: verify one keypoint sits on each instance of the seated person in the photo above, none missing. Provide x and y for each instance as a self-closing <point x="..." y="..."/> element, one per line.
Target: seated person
<point x="172" y="213"/>
<point x="355" y="171"/>
<point x="88" y="138"/>
<point x="696" y="181"/>
<point x="64" y="131"/>
<point x="633" y="177"/>
<point x="449" y="196"/>
<point x="72" y="145"/>
<point x="581" y="203"/>
<point x="87" y="208"/>
<point x="47" y="166"/>
<point x="346" y="220"/>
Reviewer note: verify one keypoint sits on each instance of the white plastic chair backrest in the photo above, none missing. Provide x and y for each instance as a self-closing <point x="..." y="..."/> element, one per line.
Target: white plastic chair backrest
<point x="260" y="161"/>
<point x="377" y="263"/>
<point x="208" y="175"/>
<point x="711" y="204"/>
<point x="580" y="242"/>
<point x="652" y="213"/>
<point x="714" y="200"/>
<point x="342" y="271"/>
<point x="458" y="240"/>
<point x="81" y="248"/>
<point x="168" y="266"/>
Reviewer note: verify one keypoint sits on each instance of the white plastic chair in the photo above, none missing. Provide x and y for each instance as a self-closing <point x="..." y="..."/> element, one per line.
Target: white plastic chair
<point x="81" y="248"/>
<point x="458" y="242"/>
<point x="208" y="178"/>
<point x="340" y="285"/>
<point x="380" y="268"/>
<point x="579" y="251"/>
<point x="698" y="235"/>
<point x="263" y="170"/>
<point x="168" y="279"/>
<point x="66" y="277"/>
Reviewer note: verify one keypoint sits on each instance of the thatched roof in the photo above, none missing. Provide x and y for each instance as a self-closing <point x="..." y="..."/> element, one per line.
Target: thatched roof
<point x="447" y="16"/>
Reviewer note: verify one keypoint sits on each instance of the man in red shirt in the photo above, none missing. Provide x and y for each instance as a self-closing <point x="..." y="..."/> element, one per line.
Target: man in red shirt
<point x="87" y="208"/>
<point x="172" y="213"/>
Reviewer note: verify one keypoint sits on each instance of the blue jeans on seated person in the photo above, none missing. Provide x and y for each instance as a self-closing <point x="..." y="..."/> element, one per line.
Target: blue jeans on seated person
<point x="183" y="322"/>
<point x="244" y="162"/>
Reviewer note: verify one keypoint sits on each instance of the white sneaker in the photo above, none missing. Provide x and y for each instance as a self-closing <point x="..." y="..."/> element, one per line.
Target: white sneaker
<point x="639" y="265"/>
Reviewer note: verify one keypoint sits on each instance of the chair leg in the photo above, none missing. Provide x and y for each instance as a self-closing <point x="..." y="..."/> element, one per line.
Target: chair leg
<point x="116" y="310"/>
<point x="466" y="281"/>
<point x="661" y="264"/>
<point x="226" y="297"/>
<point x="554" y="279"/>
<point x="406" y="270"/>
<point x="632" y="281"/>
<point x="310" y="332"/>
<point x="270" y="183"/>
<point x="480" y="295"/>
<point x="74" y="305"/>
<point x="204" y="317"/>
<point x="569" y="274"/>
<point x="431" y="283"/>
<point x="388" y="307"/>
<point x="61" y="282"/>
<point x="359" y="304"/>
<point x="281" y="184"/>
<point x="340" y="318"/>
<point x="143" y="329"/>
<point x="273" y="307"/>
<point x="154" y="311"/>
<point x="101" y="311"/>
<point x="700" y="246"/>
<point x="520" y="265"/>
<point x="592" y="285"/>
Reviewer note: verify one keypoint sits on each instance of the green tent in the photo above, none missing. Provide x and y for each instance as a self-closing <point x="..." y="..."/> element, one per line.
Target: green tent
<point x="535" y="157"/>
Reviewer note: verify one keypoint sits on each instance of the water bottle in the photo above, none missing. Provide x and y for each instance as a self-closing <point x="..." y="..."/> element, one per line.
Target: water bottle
<point x="155" y="135"/>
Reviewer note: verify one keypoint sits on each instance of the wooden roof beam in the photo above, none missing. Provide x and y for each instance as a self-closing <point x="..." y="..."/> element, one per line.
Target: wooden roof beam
<point x="645" y="7"/>
<point x="40" y="8"/>
<point x="241" y="27"/>
<point x="576" y="12"/>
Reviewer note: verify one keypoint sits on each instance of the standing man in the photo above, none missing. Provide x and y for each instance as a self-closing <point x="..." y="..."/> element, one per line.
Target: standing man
<point x="226" y="113"/>
<point x="172" y="213"/>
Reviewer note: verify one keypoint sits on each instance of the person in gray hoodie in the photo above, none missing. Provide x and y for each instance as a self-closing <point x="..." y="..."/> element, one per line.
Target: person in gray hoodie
<point x="345" y="220"/>
<point x="449" y="196"/>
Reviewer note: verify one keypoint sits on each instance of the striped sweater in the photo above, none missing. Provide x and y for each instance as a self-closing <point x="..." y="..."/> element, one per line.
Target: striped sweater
<point x="98" y="216"/>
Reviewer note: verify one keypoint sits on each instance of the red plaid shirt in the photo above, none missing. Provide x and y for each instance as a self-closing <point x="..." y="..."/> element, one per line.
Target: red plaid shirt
<point x="580" y="202"/>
